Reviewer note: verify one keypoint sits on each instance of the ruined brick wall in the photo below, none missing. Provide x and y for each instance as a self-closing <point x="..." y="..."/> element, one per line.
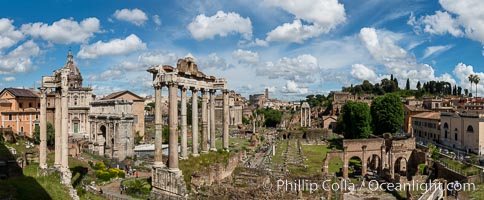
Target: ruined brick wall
<point x="216" y="173"/>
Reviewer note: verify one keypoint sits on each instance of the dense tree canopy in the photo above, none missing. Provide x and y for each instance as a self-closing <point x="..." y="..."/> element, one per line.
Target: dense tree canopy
<point x="387" y="114"/>
<point x="50" y="134"/>
<point x="356" y="120"/>
<point x="272" y="117"/>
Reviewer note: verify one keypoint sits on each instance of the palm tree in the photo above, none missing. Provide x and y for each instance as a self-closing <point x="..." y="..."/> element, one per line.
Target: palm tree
<point x="471" y="79"/>
<point x="476" y="81"/>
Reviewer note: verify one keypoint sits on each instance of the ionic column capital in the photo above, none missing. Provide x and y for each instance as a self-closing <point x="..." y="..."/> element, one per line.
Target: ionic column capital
<point x="194" y="89"/>
<point x="172" y="84"/>
<point x="183" y="88"/>
<point x="203" y="90"/>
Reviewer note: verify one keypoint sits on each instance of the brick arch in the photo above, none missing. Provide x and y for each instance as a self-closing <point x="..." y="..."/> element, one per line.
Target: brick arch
<point x="374" y="162"/>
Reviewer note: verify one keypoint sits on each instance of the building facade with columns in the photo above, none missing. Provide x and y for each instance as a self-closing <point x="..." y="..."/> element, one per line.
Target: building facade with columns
<point x="78" y="99"/>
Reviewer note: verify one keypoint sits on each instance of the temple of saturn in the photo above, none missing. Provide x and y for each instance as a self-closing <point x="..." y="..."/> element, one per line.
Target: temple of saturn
<point x="168" y="180"/>
<point x="59" y="82"/>
<point x="305" y="115"/>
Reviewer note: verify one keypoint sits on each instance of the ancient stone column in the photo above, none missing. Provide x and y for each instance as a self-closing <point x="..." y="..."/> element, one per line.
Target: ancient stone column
<point x="309" y="117"/>
<point x="64" y="124"/>
<point x="301" y="118"/>
<point x="173" y="123"/>
<point x="204" y="121"/>
<point x="158" y="128"/>
<point x="212" y="121"/>
<point x="184" y="153"/>
<point x="363" y="161"/>
<point x="226" y="120"/>
<point x="43" y="130"/>
<point x="194" y="122"/>
<point x="209" y="117"/>
<point x="58" y="128"/>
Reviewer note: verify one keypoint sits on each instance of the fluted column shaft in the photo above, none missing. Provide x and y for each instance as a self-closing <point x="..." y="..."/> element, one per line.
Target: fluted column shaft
<point x="204" y="121"/>
<point x="65" y="131"/>
<point x="225" y="120"/>
<point x="184" y="153"/>
<point x="309" y="116"/>
<point x="58" y="128"/>
<point x="301" y="118"/>
<point x="212" y="121"/>
<point x="194" y="122"/>
<point x="43" y="130"/>
<point x="158" y="128"/>
<point x="173" y="123"/>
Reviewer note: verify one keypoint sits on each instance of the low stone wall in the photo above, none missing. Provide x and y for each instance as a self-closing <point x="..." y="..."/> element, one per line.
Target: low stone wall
<point x="216" y="173"/>
<point x="447" y="174"/>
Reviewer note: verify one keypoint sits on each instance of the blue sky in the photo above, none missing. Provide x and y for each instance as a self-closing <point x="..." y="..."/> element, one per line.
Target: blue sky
<point x="294" y="48"/>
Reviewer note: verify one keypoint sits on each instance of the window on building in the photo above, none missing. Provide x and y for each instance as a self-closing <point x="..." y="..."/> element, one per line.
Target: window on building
<point x="470" y="129"/>
<point x="30" y="105"/>
<point x="22" y="129"/>
<point x="20" y="105"/>
<point x="10" y="117"/>
<point x="455" y="136"/>
<point x="445" y="134"/>
<point x="76" y="127"/>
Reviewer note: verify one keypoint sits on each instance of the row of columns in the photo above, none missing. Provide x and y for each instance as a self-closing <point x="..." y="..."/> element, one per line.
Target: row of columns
<point x="305" y="117"/>
<point x="207" y="121"/>
<point x="60" y="125"/>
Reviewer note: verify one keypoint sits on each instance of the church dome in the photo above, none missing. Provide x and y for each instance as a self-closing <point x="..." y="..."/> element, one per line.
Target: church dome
<point x="75" y="77"/>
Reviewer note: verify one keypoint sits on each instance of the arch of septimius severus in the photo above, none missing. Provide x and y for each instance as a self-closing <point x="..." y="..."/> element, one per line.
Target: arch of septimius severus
<point x="168" y="180"/>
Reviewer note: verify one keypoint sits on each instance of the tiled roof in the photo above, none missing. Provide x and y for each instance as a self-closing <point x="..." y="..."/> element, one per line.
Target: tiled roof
<point x="117" y="94"/>
<point x="428" y="115"/>
<point x="415" y="108"/>
<point x="20" y="92"/>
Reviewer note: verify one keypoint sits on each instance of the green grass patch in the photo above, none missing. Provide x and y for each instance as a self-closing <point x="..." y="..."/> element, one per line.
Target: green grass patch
<point x="137" y="188"/>
<point x="31" y="186"/>
<point x="460" y="167"/>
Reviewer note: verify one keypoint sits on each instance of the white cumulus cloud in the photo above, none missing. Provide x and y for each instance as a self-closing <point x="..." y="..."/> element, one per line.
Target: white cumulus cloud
<point x="293" y="87"/>
<point x="19" y="59"/>
<point x="64" y="31"/>
<point x="396" y="60"/>
<point x="222" y="24"/>
<point x="303" y="68"/>
<point x="113" y="47"/>
<point x="462" y="72"/>
<point x="134" y="16"/>
<point x="246" y="56"/>
<point x="295" y="32"/>
<point x="459" y="18"/>
<point x="9" y="36"/>
<point x="322" y="16"/>
<point x="361" y="72"/>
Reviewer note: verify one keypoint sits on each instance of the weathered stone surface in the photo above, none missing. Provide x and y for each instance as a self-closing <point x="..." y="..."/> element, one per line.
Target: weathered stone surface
<point x="112" y="132"/>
